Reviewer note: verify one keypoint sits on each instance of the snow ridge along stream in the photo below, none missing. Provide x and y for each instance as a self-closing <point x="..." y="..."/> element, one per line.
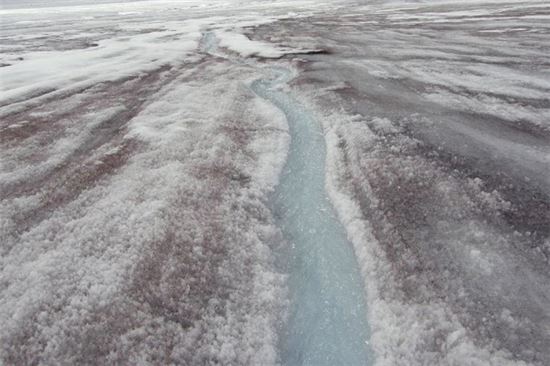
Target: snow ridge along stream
<point x="327" y="323"/>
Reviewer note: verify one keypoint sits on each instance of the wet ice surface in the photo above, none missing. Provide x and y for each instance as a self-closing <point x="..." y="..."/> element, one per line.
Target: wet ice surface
<point x="136" y="172"/>
<point x="327" y="324"/>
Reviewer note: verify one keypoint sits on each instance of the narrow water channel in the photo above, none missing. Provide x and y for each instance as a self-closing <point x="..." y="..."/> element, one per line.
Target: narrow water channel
<point x="327" y="324"/>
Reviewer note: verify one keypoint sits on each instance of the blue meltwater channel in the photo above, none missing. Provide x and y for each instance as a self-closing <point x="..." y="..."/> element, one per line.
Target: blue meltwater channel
<point x="327" y="323"/>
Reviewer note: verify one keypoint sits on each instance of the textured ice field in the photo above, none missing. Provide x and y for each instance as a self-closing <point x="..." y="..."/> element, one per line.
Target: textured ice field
<point x="436" y="119"/>
<point x="138" y="167"/>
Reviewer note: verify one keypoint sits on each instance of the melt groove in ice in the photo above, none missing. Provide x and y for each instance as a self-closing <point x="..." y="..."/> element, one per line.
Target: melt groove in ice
<point x="327" y="323"/>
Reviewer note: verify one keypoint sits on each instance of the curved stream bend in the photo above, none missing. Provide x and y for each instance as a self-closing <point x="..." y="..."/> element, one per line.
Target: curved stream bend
<point x="327" y="323"/>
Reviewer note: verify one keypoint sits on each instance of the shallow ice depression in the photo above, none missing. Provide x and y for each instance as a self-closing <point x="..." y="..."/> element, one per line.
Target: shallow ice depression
<point x="327" y="323"/>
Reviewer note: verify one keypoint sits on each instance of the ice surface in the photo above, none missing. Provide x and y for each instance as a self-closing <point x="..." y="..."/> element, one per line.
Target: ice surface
<point x="136" y="171"/>
<point x="134" y="227"/>
<point x="438" y="165"/>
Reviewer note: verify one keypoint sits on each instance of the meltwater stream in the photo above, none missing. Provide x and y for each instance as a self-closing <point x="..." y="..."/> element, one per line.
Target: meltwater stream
<point x="327" y="323"/>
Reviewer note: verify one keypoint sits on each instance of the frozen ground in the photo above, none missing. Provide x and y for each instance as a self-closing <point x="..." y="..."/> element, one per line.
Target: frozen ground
<point x="137" y="169"/>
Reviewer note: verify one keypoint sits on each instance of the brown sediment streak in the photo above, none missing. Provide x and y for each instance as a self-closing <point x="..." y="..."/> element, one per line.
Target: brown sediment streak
<point x="129" y="91"/>
<point x="131" y="94"/>
<point x="103" y="151"/>
<point x="75" y="179"/>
